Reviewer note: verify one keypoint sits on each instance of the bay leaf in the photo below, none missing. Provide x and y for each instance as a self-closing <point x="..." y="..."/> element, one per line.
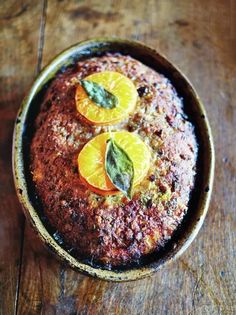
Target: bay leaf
<point x="119" y="168"/>
<point x="99" y="95"/>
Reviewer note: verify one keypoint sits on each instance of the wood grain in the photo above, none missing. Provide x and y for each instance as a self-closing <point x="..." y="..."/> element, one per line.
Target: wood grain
<point x="19" y="25"/>
<point x="200" y="37"/>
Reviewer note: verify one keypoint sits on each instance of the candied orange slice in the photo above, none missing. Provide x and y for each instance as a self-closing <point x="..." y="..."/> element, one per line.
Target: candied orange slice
<point x="91" y="159"/>
<point x="115" y="83"/>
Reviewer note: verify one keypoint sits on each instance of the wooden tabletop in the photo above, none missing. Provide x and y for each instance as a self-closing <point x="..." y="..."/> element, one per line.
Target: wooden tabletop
<point x="200" y="37"/>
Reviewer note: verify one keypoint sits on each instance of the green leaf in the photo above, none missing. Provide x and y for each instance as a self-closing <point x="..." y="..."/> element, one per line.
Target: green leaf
<point x="99" y="95"/>
<point x="119" y="168"/>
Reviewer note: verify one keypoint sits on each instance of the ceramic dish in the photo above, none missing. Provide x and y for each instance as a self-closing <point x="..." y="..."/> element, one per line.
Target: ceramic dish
<point x="23" y="132"/>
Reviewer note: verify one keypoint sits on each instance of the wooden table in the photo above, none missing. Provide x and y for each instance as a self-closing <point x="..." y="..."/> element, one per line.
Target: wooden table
<point x="199" y="37"/>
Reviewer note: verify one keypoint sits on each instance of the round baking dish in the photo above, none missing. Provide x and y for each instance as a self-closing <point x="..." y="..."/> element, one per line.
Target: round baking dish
<point x="192" y="105"/>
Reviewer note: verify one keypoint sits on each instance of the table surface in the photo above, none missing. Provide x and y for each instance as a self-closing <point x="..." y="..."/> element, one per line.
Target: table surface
<point x="199" y="37"/>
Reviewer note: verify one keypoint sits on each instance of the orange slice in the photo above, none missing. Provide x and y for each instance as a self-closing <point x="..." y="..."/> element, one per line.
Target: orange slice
<point x="99" y="191"/>
<point x="117" y="84"/>
<point x="91" y="159"/>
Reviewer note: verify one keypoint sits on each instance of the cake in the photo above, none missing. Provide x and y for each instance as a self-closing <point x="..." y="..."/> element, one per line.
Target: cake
<point x="101" y="221"/>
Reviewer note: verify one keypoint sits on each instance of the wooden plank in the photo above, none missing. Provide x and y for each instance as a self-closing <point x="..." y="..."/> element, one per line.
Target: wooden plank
<point x="19" y="28"/>
<point x="202" y="281"/>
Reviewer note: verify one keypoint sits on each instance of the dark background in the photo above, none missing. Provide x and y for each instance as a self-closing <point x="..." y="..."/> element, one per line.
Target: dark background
<point x="199" y="36"/>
